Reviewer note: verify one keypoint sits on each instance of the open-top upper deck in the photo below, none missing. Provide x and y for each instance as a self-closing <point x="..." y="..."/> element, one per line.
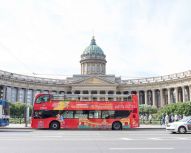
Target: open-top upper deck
<point x="76" y="97"/>
<point x="71" y="102"/>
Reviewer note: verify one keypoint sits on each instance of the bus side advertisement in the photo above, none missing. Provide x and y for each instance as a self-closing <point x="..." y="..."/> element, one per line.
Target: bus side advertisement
<point x="54" y="113"/>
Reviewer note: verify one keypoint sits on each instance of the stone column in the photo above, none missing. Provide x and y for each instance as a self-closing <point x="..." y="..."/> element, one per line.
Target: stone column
<point x="84" y="68"/>
<point x="98" y="95"/>
<point x="189" y="92"/>
<point x="72" y="96"/>
<point x="122" y="94"/>
<point x="4" y="92"/>
<point x="90" y="97"/>
<point x="81" y="95"/>
<point x="16" y="92"/>
<point x="169" y="100"/>
<point x="176" y="93"/>
<point x="141" y="95"/>
<point x="32" y="96"/>
<point x="13" y="94"/>
<point x="161" y="98"/>
<point x="114" y="96"/>
<point x="19" y="93"/>
<point x="146" y="101"/>
<point x="106" y="95"/>
<point x="25" y="95"/>
<point x="1" y="92"/>
<point x="183" y="94"/>
<point x="8" y="93"/>
<point x="154" y="96"/>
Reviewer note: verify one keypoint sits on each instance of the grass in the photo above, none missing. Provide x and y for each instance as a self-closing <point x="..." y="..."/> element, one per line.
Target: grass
<point x="154" y="122"/>
<point x="16" y="120"/>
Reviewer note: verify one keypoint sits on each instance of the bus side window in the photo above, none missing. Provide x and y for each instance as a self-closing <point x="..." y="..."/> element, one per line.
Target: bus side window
<point x="108" y="114"/>
<point x="122" y="114"/>
<point x="94" y="114"/>
<point x="68" y="114"/>
<point x="37" y="114"/>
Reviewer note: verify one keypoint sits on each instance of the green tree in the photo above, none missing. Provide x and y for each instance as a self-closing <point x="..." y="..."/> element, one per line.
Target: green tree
<point x="147" y="109"/>
<point x="18" y="109"/>
<point x="181" y="108"/>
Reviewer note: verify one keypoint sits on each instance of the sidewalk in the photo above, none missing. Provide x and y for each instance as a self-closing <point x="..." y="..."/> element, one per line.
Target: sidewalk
<point x="151" y="126"/>
<point x="18" y="126"/>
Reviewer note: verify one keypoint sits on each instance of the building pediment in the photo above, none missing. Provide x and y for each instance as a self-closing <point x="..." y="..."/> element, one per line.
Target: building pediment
<point x="94" y="81"/>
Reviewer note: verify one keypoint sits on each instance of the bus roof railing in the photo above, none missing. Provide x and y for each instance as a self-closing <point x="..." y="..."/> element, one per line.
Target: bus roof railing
<point x="77" y="96"/>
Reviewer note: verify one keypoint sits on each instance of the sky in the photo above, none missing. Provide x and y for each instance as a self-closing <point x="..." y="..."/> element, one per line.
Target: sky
<point x="140" y="38"/>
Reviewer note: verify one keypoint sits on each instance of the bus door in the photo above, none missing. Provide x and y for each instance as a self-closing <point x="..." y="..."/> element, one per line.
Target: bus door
<point x="134" y="118"/>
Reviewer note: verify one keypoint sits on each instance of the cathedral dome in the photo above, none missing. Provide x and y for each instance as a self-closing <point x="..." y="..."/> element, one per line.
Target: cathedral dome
<point x="93" y="60"/>
<point x="93" y="49"/>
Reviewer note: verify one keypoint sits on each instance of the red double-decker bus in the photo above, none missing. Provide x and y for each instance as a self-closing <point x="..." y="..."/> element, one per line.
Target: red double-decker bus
<point x="57" y="111"/>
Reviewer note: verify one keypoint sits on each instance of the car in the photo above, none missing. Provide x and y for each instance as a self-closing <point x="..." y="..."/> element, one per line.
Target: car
<point x="181" y="126"/>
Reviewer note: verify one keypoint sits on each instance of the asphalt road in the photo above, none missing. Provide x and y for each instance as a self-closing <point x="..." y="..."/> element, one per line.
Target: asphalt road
<point x="93" y="141"/>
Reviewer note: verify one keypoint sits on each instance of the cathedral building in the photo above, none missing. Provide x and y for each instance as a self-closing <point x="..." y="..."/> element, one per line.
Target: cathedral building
<point x="94" y="84"/>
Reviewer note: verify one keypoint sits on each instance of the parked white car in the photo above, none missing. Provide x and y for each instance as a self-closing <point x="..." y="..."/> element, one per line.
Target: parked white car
<point x="181" y="126"/>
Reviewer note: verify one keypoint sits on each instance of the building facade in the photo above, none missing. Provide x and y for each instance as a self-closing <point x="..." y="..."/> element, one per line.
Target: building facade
<point x="94" y="84"/>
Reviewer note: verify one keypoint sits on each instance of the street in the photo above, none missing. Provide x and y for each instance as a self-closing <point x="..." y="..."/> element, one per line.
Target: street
<point x="93" y="141"/>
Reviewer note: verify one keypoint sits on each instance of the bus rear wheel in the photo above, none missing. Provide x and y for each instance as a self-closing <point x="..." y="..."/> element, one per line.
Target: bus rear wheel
<point x="54" y="125"/>
<point x="117" y="126"/>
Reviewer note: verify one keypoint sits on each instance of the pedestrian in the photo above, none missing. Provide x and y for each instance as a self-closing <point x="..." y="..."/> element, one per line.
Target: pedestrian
<point x="184" y="116"/>
<point x="150" y="118"/>
<point x="172" y="118"/>
<point x="166" y="119"/>
<point x="163" y="119"/>
<point x="145" y="117"/>
<point x="141" y="118"/>
<point x="179" y="117"/>
<point x="175" y="117"/>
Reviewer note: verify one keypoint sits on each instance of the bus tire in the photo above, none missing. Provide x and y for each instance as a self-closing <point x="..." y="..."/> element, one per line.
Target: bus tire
<point x="54" y="125"/>
<point x="117" y="125"/>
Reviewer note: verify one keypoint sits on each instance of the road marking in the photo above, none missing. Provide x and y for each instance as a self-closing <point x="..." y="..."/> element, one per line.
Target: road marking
<point x="141" y="148"/>
<point x="127" y="139"/>
<point x="155" y="139"/>
<point x="51" y="136"/>
<point x="183" y="138"/>
<point x="54" y="139"/>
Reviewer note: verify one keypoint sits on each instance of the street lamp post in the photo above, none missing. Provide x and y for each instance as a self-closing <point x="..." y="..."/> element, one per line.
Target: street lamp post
<point x="26" y="113"/>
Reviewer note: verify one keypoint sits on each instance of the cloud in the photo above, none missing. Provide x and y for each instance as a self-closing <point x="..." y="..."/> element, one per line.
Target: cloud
<point x="139" y="38"/>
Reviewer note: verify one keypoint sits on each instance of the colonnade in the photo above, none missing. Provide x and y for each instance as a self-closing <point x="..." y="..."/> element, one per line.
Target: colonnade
<point x="160" y="97"/>
<point x="155" y="97"/>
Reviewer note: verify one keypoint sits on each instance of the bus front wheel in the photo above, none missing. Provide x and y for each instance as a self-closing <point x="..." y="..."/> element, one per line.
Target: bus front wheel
<point x="117" y="126"/>
<point x="54" y="125"/>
